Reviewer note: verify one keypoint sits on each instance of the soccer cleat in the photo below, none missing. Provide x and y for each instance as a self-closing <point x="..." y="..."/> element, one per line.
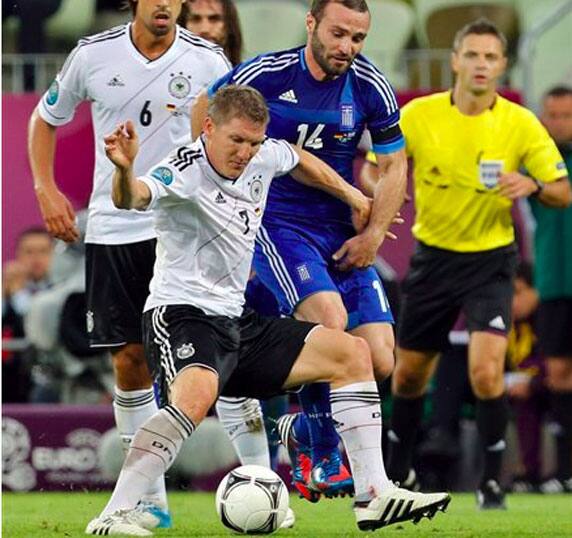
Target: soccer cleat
<point x="331" y="477"/>
<point x="490" y="496"/>
<point x="411" y="483"/>
<point x="300" y="458"/>
<point x="122" y="522"/>
<point x="289" y="520"/>
<point x="398" y="505"/>
<point x="151" y="516"/>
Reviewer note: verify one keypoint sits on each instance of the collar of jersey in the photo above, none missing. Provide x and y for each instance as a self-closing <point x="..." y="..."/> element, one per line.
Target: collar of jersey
<point x="213" y="170"/>
<point x="141" y="57"/>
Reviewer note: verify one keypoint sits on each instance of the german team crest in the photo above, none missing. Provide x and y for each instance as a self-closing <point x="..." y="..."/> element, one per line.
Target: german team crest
<point x="180" y="85"/>
<point x="256" y="189"/>
<point x="185" y="351"/>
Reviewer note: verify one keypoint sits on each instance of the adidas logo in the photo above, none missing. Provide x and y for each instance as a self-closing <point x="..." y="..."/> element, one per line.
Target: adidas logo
<point x="289" y="96"/>
<point x="220" y="198"/>
<point x="497" y="323"/>
<point x="116" y="81"/>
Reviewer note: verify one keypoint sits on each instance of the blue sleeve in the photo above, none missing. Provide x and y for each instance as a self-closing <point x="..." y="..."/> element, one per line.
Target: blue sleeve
<point x="383" y="111"/>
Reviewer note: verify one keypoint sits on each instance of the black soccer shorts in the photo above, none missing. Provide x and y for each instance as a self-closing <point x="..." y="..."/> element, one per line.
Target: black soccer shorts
<point x="117" y="280"/>
<point x="252" y="355"/>
<point x="440" y="284"/>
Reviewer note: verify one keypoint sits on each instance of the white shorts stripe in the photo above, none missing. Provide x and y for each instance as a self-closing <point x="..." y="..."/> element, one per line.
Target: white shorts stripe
<point x="161" y="338"/>
<point x="278" y="267"/>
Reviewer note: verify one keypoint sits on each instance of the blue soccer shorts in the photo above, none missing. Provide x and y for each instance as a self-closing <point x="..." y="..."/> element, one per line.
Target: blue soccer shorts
<point x="294" y="264"/>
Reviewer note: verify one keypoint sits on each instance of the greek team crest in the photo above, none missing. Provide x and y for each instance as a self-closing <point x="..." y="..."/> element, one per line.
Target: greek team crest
<point x="185" y="351"/>
<point x="53" y="93"/>
<point x="256" y="189"/>
<point x="163" y="174"/>
<point x="180" y="85"/>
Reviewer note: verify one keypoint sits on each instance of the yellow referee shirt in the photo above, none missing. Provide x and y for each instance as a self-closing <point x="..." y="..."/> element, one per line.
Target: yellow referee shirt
<point x="457" y="160"/>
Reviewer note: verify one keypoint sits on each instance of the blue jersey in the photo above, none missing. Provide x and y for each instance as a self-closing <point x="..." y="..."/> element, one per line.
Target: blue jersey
<point x="326" y="118"/>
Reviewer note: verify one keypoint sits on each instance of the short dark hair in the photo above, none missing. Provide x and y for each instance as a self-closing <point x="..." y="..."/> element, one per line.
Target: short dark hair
<point x="318" y="7"/>
<point x="558" y="91"/>
<point x="235" y="101"/>
<point x="482" y="26"/>
<point x="130" y="4"/>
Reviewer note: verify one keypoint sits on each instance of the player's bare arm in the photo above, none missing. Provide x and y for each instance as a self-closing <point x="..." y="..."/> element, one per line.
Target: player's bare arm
<point x="198" y="114"/>
<point x="57" y="211"/>
<point x="361" y="250"/>
<point x="514" y="185"/>
<point x="121" y="148"/>
<point x="314" y="172"/>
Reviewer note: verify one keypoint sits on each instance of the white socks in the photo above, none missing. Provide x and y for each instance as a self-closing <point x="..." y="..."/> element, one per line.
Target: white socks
<point x="132" y="408"/>
<point x="356" y="410"/>
<point x="243" y="421"/>
<point x="153" y="449"/>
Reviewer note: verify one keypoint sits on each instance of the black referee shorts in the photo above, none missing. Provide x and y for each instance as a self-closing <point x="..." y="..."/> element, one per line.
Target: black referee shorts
<point x="252" y="355"/>
<point x="117" y="281"/>
<point x="441" y="283"/>
<point x="555" y="327"/>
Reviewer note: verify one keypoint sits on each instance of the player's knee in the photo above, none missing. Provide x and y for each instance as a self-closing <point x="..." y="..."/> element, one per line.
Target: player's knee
<point x="383" y="360"/>
<point x="130" y="368"/>
<point x="407" y="382"/>
<point x="354" y="359"/>
<point x="487" y="380"/>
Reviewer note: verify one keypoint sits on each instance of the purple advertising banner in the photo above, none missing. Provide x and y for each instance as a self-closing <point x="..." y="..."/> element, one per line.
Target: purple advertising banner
<point x="73" y="166"/>
<point x="53" y="447"/>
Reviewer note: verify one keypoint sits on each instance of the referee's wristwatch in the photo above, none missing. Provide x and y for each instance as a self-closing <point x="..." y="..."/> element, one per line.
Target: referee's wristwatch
<point x="539" y="188"/>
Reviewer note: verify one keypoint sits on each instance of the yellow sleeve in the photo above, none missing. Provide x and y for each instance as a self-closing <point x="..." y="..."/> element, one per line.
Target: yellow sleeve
<point x="407" y="124"/>
<point x="541" y="158"/>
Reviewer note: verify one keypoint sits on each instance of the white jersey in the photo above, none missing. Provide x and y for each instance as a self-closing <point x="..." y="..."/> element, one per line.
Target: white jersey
<point x="108" y="70"/>
<point x="206" y="226"/>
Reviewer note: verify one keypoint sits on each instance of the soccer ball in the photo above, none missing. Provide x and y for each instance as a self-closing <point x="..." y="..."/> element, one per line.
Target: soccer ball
<point x="252" y="499"/>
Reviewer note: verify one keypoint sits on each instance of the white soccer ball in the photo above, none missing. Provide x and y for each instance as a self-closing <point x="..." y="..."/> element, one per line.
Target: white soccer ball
<point x="252" y="499"/>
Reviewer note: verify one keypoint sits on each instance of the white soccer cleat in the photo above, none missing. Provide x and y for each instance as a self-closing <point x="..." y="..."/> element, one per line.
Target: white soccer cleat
<point x="122" y="522"/>
<point x="289" y="520"/>
<point x="151" y="516"/>
<point x="397" y="505"/>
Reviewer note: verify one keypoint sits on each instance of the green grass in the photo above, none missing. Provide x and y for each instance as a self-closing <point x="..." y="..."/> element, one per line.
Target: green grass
<point x="48" y="515"/>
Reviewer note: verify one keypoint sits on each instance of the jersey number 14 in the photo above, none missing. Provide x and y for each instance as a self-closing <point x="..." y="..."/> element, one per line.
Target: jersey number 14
<point x="313" y="141"/>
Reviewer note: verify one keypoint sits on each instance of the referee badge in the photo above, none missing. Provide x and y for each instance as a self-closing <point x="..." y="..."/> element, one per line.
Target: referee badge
<point x="490" y="172"/>
<point x="186" y="351"/>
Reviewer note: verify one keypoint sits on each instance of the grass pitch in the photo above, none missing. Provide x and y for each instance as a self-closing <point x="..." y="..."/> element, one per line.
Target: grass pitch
<point x="47" y="515"/>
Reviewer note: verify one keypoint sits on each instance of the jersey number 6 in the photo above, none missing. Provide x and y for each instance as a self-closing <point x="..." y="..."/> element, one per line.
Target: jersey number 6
<point x="145" y="117"/>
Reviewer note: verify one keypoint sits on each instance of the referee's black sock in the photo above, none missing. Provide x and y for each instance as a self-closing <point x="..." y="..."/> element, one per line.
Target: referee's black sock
<point x="562" y="413"/>
<point x="492" y="420"/>
<point x="405" y="420"/>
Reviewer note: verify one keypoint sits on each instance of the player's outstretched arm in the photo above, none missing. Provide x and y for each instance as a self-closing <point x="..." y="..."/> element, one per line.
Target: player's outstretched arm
<point x="121" y="148"/>
<point x="57" y="211"/>
<point x="316" y="173"/>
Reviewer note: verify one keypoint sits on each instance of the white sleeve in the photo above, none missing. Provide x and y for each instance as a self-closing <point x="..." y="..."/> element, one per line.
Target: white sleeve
<point x="58" y="104"/>
<point x="166" y="182"/>
<point x="285" y="158"/>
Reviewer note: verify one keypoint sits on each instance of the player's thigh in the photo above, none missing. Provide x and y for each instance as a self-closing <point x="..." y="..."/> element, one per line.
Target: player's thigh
<point x="268" y="349"/>
<point x="363" y="296"/>
<point x="331" y="356"/>
<point x="325" y="307"/>
<point x="429" y="307"/>
<point x="117" y="285"/>
<point x="178" y="337"/>
<point x="291" y="266"/>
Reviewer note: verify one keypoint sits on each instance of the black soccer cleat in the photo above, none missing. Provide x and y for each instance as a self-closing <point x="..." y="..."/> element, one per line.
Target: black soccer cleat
<point x="490" y="496"/>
